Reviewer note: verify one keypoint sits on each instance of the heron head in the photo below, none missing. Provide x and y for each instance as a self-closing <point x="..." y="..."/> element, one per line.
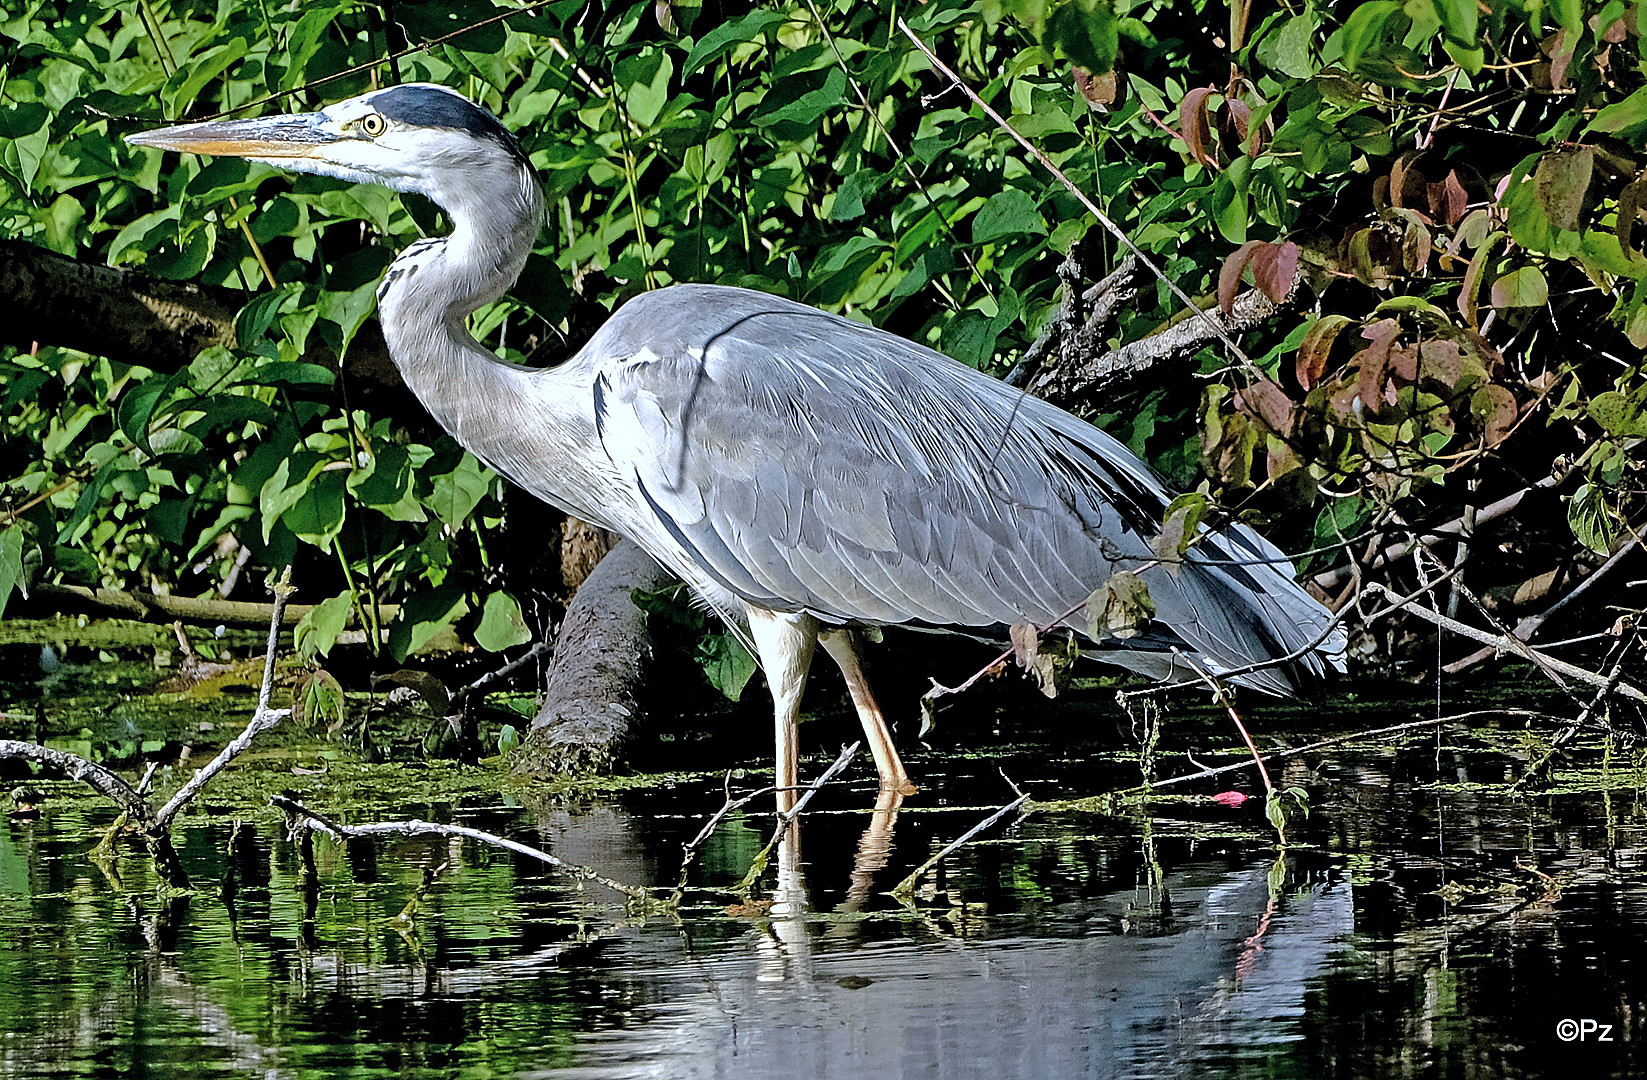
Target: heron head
<point x="416" y="137"/>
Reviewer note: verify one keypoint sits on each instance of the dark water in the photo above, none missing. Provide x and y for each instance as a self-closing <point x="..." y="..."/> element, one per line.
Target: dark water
<point x="1428" y="922"/>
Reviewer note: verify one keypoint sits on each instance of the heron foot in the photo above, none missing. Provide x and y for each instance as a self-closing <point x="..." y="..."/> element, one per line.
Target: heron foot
<point x="900" y="785"/>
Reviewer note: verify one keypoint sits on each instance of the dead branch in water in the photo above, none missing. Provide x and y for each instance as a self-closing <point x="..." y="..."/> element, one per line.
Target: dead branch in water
<point x="338" y="831"/>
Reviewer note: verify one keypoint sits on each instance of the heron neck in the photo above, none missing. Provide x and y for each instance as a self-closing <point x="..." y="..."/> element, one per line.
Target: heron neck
<point x="433" y="287"/>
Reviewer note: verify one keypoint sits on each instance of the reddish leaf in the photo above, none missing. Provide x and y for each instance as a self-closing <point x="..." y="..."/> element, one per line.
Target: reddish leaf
<point x="1404" y="364"/>
<point x="1269" y="403"/>
<point x="1407" y="185"/>
<point x="1374" y="362"/>
<point x="1231" y="799"/>
<point x="1443" y="361"/>
<point x="1275" y="268"/>
<point x="1448" y="202"/>
<point x="1235" y="121"/>
<point x="1229" y="275"/>
<point x="1193" y="124"/>
<point x="1561" y="57"/>
<point x="1316" y="347"/>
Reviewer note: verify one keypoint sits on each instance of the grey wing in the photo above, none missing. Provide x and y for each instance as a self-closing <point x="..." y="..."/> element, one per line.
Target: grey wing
<point x="805" y="462"/>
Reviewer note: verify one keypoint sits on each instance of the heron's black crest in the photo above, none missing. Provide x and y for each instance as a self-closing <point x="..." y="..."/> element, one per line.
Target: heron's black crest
<point x="437" y="107"/>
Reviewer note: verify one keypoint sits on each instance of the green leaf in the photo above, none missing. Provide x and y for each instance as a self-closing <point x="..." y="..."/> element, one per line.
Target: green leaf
<point x="729" y="35"/>
<point x="25" y="135"/>
<point x="458" y="492"/>
<point x="423" y="615"/>
<point x="1364" y="28"/>
<point x="501" y="625"/>
<point x="1087" y="32"/>
<point x="508" y="740"/>
<point x="192" y="77"/>
<point x="1010" y="213"/>
<point x="1525" y="287"/>
<point x="137" y="405"/>
<point x="343" y="313"/>
<point x="1622" y="115"/>
<point x="1290" y="54"/>
<point x="320" y="626"/>
<point x="810" y="107"/>
<point x="726" y="663"/>
<point x="11" y="562"/>
<point x="258" y="315"/>
<point x="1617" y="414"/>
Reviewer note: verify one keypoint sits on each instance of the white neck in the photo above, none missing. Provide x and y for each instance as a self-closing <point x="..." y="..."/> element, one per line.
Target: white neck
<point x="533" y="426"/>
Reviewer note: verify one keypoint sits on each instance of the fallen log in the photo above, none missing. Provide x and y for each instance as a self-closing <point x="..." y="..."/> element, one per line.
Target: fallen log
<point x="592" y="701"/>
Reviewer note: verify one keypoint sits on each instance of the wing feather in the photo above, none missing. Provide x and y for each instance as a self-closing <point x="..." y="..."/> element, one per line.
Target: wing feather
<point x="808" y="462"/>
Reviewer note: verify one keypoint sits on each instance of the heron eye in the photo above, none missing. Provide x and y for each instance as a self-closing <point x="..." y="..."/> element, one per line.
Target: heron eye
<point x="373" y="124"/>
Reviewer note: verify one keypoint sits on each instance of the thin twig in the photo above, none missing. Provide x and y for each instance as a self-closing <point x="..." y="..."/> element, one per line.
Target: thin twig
<point x="907" y="885"/>
<point x="339" y="831"/>
<point x="1504" y="641"/>
<point x="757" y="865"/>
<point x="1526" y="628"/>
<point x="541" y="648"/>
<point x="1102" y="218"/>
<point x="262" y="720"/>
<point x="1322" y="744"/>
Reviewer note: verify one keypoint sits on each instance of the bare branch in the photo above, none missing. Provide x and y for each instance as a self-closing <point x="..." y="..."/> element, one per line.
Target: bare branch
<point x="338" y="831"/>
<point x="262" y="720"/>
<point x="1506" y="642"/>
<point x="907" y="885"/>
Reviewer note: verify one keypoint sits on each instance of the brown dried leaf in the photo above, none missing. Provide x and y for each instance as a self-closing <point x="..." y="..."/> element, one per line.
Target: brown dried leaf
<point x="1121" y="607"/>
<point x="1193" y="123"/>
<point x="1026" y="643"/>
<point x="1630" y="202"/>
<point x="1229" y="275"/>
<point x="1495" y="407"/>
<point x="429" y="688"/>
<point x="1316" y="347"/>
<point x="1416" y="245"/>
<point x="1561" y="182"/>
<point x="1275" y="268"/>
<point x="1100" y="91"/>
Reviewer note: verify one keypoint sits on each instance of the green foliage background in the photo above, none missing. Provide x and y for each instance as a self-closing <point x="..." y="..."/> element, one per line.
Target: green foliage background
<point x="1459" y="183"/>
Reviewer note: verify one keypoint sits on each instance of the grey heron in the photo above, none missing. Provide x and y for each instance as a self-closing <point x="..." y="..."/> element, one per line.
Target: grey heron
<point x="804" y="473"/>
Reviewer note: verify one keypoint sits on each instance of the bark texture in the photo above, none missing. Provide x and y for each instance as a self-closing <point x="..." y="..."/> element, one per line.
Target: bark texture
<point x="593" y="699"/>
<point x="132" y="317"/>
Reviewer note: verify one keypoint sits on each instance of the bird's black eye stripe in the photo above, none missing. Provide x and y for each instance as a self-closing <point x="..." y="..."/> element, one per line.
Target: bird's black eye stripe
<point x="373" y="124"/>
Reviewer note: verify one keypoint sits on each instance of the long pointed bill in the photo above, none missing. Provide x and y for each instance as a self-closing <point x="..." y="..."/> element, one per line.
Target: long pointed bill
<point x="266" y="137"/>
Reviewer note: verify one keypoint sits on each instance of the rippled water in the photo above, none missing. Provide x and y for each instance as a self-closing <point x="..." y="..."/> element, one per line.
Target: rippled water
<point x="1428" y="923"/>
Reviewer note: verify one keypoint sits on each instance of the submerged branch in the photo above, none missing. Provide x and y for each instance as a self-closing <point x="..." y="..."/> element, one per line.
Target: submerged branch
<point x="339" y="831"/>
<point x="907" y="885"/>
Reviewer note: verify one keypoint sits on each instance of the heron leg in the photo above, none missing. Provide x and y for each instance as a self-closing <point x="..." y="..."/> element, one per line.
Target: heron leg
<point x="840" y="646"/>
<point x="785" y="642"/>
